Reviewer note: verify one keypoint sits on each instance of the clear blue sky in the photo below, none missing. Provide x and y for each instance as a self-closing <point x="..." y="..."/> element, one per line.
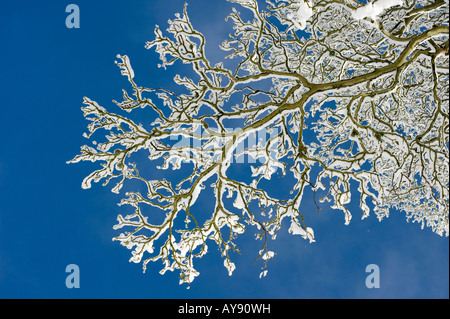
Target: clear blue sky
<point x="47" y="221"/>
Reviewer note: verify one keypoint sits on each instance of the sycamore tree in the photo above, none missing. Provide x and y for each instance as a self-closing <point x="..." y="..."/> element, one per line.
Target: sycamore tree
<point x="329" y="93"/>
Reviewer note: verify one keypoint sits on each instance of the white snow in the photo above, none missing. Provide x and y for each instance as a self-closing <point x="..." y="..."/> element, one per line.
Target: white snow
<point x="239" y="202"/>
<point x="373" y="9"/>
<point x="301" y="13"/>
<point x="230" y="266"/>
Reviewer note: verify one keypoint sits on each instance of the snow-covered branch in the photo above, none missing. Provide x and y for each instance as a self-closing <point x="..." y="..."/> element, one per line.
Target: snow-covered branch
<point x="357" y="91"/>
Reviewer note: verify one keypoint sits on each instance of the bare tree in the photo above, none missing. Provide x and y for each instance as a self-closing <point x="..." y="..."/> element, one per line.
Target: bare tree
<point x="358" y="92"/>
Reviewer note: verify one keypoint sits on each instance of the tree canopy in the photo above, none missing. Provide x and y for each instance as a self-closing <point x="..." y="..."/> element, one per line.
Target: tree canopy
<point x="331" y="93"/>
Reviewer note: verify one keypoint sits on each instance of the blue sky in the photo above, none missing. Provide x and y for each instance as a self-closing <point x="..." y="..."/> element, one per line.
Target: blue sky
<point x="47" y="221"/>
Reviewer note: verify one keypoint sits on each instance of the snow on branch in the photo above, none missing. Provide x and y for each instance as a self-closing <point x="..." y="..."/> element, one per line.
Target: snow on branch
<point x="314" y="88"/>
